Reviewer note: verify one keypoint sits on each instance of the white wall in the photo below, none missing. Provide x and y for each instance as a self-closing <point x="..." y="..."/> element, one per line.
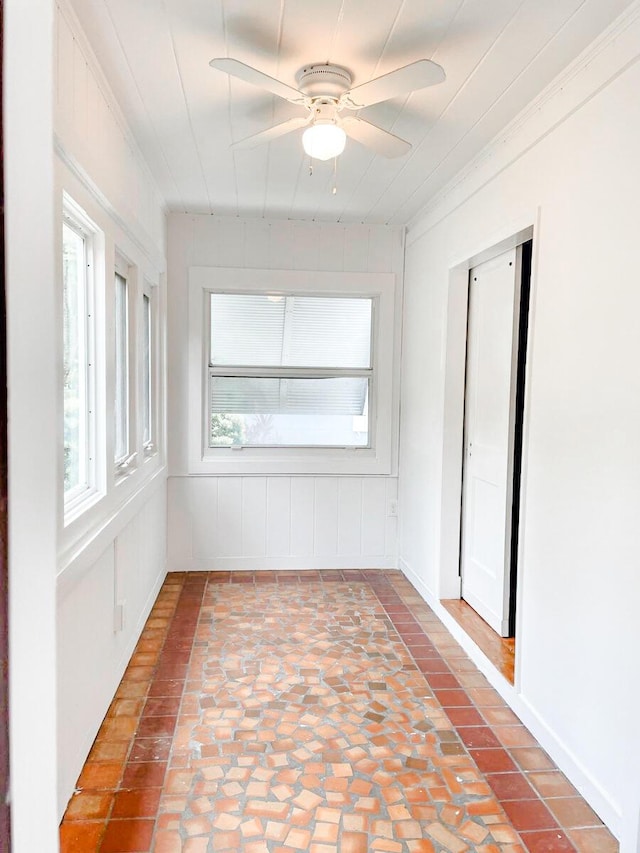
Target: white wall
<point x="281" y="522"/>
<point x="570" y="167"/>
<point x="33" y="493"/>
<point x="272" y="522"/>
<point x="93" y="140"/>
<point x="92" y="656"/>
<point x="116" y="551"/>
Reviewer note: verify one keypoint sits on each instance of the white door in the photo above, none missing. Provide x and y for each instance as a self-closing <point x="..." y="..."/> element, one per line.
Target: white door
<point x="489" y="429"/>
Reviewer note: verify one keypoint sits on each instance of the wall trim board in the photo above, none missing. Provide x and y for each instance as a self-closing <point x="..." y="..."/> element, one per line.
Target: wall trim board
<point x="76" y="562"/>
<point x="140" y="238"/>
<point x="111" y="684"/>
<point x="609" y="56"/>
<point x="258" y="564"/>
<point x="602" y="803"/>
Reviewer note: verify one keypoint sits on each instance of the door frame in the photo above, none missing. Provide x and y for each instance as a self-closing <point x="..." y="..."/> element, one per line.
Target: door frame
<point x="455" y="350"/>
<point x="511" y="516"/>
<point x="5" y="813"/>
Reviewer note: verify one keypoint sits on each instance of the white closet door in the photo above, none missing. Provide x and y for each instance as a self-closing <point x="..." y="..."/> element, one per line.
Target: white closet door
<point x="488" y="466"/>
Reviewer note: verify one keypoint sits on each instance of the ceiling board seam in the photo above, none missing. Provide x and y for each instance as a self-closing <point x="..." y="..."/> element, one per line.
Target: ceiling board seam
<point x="384" y="47"/>
<point x="311" y="176"/>
<point x="452" y="100"/>
<point x="336" y="29"/>
<point x="392" y="30"/>
<point x="372" y="157"/>
<point x="295" y="192"/>
<point x="273" y="110"/>
<point x="418" y="234"/>
<point x="186" y="102"/>
<point x="489" y="108"/>
<point x="233" y="153"/>
<point x="111" y="99"/>
<point x="511" y="130"/>
<point x="335" y="193"/>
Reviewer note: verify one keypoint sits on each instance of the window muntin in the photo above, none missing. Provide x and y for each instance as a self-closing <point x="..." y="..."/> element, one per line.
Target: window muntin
<point x="77" y="365"/>
<point x="147" y="372"/>
<point x="121" y="407"/>
<point x="289" y="371"/>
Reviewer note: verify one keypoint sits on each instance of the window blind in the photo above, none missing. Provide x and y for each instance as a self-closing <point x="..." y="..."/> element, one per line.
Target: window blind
<point x="291" y="331"/>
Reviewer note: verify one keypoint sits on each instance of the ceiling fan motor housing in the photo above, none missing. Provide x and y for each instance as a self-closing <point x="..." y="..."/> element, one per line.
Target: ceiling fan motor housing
<point x="324" y="81"/>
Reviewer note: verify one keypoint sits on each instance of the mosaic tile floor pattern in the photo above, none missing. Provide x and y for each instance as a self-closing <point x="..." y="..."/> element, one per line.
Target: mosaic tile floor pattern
<point x="324" y="712"/>
<point x="313" y="725"/>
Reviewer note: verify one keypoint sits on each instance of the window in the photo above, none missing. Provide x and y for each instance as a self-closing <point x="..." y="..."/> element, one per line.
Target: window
<point x="122" y="410"/>
<point x="146" y="370"/>
<point x="289" y="371"/>
<point x="148" y="401"/>
<point x="292" y="369"/>
<point x="78" y="362"/>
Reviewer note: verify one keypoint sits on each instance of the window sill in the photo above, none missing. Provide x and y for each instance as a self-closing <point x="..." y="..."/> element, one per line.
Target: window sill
<point x="301" y="461"/>
<point x="81" y="505"/>
<point x="126" y="468"/>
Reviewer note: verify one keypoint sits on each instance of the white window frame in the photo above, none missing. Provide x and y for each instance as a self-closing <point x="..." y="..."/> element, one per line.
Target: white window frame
<point x="126" y="463"/>
<point x="149" y="291"/>
<point x="79" y="499"/>
<point x="373" y="459"/>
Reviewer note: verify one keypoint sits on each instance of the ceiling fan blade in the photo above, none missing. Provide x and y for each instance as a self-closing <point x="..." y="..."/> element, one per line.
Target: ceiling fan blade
<point x="257" y="78"/>
<point x="272" y="132"/>
<point x="374" y="137"/>
<point x="416" y="75"/>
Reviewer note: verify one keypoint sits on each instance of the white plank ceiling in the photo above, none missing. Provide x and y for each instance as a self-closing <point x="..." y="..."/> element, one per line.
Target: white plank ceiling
<point x="497" y="54"/>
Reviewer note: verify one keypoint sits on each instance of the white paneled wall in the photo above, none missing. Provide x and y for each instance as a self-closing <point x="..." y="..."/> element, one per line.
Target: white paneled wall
<point x="569" y="167"/>
<point x="92" y="652"/>
<point x="93" y="140"/>
<point x="281" y="522"/>
<point x="115" y="552"/>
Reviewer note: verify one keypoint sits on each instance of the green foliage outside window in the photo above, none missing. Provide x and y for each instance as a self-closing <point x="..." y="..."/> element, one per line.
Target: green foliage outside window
<point x="226" y="430"/>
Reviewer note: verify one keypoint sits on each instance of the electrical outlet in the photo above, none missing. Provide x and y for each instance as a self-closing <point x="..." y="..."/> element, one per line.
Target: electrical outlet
<point x="393" y="509"/>
<point x="118" y="617"/>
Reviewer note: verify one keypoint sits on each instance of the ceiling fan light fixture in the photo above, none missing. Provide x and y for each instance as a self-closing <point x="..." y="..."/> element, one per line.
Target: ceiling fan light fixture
<point x="324" y="140"/>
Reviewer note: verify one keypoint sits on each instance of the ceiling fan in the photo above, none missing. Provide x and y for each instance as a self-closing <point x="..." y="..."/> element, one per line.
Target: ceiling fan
<point x="325" y="92"/>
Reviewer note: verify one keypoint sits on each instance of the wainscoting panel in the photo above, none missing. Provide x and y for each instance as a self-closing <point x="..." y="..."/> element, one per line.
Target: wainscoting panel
<point x="282" y="522"/>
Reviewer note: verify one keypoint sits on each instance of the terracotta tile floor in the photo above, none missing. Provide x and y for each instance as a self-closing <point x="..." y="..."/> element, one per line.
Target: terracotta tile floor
<point x="328" y="712"/>
<point x="501" y="651"/>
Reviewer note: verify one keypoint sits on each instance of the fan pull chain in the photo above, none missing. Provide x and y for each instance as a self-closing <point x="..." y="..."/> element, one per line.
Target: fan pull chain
<point x="334" y="188"/>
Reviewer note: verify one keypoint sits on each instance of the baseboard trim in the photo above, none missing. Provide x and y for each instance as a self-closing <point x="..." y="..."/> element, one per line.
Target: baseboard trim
<point x="257" y="564"/>
<point x="601" y="802"/>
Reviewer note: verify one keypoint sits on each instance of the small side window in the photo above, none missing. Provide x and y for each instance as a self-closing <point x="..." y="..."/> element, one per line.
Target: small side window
<point x="79" y="381"/>
<point x="121" y="408"/>
<point x="148" y="397"/>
